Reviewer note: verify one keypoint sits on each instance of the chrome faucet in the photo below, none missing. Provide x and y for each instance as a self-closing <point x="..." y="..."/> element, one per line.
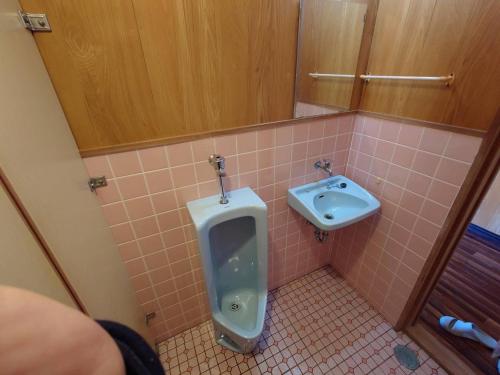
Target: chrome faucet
<point x="324" y="164"/>
<point x="219" y="164"/>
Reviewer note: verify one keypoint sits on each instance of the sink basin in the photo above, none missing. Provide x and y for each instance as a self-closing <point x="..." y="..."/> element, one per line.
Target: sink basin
<point x="333" y="202"/>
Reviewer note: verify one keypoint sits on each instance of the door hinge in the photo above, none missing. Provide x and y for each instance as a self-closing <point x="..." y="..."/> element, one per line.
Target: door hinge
<point x="34" y="21"/>
<point x="97" y="182"/>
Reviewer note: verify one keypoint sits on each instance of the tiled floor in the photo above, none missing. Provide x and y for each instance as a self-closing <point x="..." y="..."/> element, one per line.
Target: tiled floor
<point x="314" y="325"/>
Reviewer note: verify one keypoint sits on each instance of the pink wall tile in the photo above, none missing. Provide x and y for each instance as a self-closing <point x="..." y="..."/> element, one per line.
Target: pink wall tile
<point x="125" y="163"/>
<point x="151" y="244"/>
<point x="186" y="194"/>
<point x="115" y="213"/>
<point x="453" y="171"/>
<point x="165" y="201"/>
<point x="284" y="135"/>
<point x="135" y="266"/>
<point x="132" y="186"/>
<point x="108" y="194"/>
<point x="145" y="227"/>
<point x="179" y="154"/>
<point x="434" y="140"/>
<point x="247" y="162"/>
<point x="389" y="131"/>
<point x="204" y="172"/>
<point x="434" y="212"/>
<point x="300" y="132"/>
<point x="418" y="183"/>
<point x="97" y="166"/>
<point x="129" y="250"/>
<point x="159" y="181"/>
<point x="425" y="163"/>
<point x="442" y="192"/>
<point x="265" y="158"/>
<point x="139" y="208"/>
<point x="410" y="135"/>
<point x="462" y="147"/>
<point x="183" y="176"/>
<point x="246" y="142"/>
<point x="161" y="253"/>
<point x="156" y="260"/>
<point x="202" y="149"/>
<point x="403" y="156"/>
<point x="408" y="172"/>
<point x="225" y="145"/>
<point x="299" y="151"/>
<point x="153" y="158"/>
<point x="122" y="233"/>
<point x="266" y="138"/>
<point x="283" y="155"/>
<point x="169" y="220"/>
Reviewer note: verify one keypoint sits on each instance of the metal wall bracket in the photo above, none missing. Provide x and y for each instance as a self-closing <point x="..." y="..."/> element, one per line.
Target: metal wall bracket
<point x="97" y="182"/>
<point x="34" y="21"/>
<point x="149" y="317"/>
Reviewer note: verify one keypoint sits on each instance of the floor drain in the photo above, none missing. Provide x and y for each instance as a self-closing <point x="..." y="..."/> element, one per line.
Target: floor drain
<point x="235" y="306"/>
<point x="329" y="216"/>
<point x="406" y="357"/>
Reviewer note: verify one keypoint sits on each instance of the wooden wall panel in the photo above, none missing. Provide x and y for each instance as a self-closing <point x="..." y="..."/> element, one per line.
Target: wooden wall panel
<point x="330" y="39"/>
<point x="128" y="71"/>
<point x="95" y="60"/>
<point x="434" y="38"/>
<point x="219" y="63"/>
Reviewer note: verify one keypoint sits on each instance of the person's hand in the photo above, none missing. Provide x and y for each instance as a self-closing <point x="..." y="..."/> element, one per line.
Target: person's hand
<point x="41" y="336"/>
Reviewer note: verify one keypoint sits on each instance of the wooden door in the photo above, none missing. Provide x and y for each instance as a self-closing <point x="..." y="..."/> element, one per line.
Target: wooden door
<point x="40" y="160"/>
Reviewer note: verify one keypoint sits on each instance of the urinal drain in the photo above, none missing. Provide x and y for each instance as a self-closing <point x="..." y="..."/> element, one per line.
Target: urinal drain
<point x="235" y="306"/>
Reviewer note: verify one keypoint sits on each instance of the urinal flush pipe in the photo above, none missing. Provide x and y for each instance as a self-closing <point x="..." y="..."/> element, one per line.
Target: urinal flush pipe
<point x="219" y="164"/>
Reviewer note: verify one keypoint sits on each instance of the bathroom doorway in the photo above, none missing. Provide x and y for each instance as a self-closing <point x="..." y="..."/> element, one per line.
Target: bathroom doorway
<point x="469" y="287"/>
<point x="457" y="232"/>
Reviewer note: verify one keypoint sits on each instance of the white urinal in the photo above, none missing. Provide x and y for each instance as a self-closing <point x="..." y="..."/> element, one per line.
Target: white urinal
<point x="233" y="245"/>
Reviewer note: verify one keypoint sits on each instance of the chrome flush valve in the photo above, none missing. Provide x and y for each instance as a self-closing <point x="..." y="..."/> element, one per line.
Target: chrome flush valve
<point x="219" y="164"/>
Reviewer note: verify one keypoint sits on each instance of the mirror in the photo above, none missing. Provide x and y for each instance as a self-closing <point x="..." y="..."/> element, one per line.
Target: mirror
<point x="154" y="71"/>
<point x="329" y="40"/>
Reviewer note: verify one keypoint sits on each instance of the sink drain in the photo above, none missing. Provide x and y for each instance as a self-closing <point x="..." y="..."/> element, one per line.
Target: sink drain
<point x="235" y="306"/>
<point x="328" y="216"/>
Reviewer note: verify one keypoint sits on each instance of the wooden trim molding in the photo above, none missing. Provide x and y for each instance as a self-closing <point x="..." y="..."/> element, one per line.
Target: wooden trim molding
<point x="427" y="124"/>
<point x="30" y="224"/>
<point x="195" y="136"/>
<point x="192" y="137"/>
<point x="477" y="182"/>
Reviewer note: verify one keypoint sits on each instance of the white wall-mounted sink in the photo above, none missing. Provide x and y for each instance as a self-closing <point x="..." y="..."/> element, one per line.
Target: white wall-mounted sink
<point x="333" y="202"/>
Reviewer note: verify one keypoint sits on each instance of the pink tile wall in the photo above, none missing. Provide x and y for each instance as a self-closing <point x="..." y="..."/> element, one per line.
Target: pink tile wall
<point x="416" y="173"/>
<point x="145" y="206"/>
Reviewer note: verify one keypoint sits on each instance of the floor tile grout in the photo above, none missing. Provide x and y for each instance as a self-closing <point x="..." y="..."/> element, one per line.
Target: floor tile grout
<point x="316" y="324"/>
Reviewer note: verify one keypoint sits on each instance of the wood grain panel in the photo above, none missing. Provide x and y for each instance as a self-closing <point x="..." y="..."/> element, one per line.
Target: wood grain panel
<point x="330" y="38"/>
<point x="95" y="60"/>
<point x="129" y="71"/>
<point x="434" y="38"/>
